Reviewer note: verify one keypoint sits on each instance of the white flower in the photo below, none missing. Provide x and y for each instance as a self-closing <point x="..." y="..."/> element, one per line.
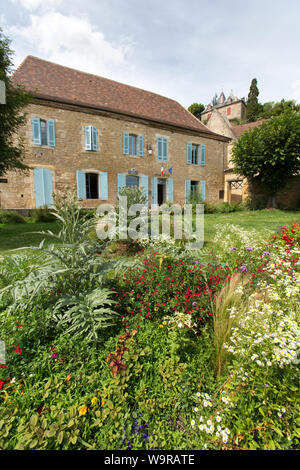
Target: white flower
<point x="218" y="419"/>
<point x="193" y="422"/>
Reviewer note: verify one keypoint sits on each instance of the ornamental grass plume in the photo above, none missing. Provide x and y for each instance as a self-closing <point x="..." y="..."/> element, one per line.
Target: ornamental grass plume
<point x="229" y="306"/>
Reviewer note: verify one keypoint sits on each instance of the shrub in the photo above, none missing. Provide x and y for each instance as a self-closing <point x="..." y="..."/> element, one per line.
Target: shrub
<point x="11" y="217"/>
<point x="43" y="214"/>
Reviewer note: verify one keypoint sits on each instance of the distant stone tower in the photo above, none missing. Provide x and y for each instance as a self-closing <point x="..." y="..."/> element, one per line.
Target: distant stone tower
<point x="232" y="107"/>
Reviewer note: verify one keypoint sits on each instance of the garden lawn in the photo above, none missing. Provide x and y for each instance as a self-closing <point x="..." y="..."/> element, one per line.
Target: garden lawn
<point x="262" y="221"/>
<point x="13" y="236"/>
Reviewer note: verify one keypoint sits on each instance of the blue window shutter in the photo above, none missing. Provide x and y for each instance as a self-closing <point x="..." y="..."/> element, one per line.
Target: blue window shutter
<point x="94" y="138"/>
<point x="104" y="186"/>
<point x="159" y="148"/>
<point x="88" y="138"/>
<point x="48" y="188"/>
<point x="121" y="181"/>
<point x="144" y="183"/>
<point x="81" y="192"/>
<point x="203" y="155"/>
<point x="36" y="131"/>
<point x="187" y="189"/>
<point x="189" y="153"/>
<point x="170" y="190"/>
<point x="141" y="146"/>
<point x="165" y="149"/>
<point x="39" y="187"/>
<point x="51" y="133"/>
<point x="125" y="143"/>
<point x="202" y="190"/>
<point x="154" y="190"/>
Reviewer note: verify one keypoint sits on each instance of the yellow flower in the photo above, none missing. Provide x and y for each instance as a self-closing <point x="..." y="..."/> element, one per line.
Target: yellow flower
<point x="160" y="326"/>
<point x="164" y="322"/>
<point x="94" y="400"/>
<point x="82" y="410"/>
<point x="155" y="309"/>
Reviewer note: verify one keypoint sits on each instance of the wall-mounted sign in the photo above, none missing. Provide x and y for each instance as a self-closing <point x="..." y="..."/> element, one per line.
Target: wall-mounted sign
<point x="133" y="171"/>
<point x="2" y="93"/>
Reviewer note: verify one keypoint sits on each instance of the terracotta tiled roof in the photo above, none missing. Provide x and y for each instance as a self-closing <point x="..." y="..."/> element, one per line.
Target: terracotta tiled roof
<point x="72" y="86"/>
<point x="238" y="130"/>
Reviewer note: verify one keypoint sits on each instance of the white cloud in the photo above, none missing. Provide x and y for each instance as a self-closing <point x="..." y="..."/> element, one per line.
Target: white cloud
<point x="72" y="41"/>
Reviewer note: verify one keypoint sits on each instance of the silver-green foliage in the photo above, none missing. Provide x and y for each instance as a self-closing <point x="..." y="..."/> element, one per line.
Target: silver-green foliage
<point x="86" y="314"/>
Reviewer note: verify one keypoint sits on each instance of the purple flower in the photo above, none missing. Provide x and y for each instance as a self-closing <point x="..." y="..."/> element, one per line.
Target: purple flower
<point x="233" y="248"/>
<point x="243" y="268"/>
<point x="249" y="249"/>
<point x="194" y="304"/>
<point x="196" y="262"/>
<point x="266" y="253"/>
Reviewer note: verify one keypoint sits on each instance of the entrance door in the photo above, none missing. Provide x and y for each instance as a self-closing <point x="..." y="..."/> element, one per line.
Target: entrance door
<point x="161" y="191"/>
<point x="43" y="187"/>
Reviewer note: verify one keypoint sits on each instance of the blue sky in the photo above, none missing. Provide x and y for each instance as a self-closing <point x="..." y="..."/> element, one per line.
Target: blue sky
<point x="184" y="49"/>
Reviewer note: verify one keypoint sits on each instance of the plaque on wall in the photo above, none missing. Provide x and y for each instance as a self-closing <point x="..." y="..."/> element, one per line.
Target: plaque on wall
<point x="133" y="171"/>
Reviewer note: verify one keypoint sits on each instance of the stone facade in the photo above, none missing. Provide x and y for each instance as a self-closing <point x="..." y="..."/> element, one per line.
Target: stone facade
<point x="69" y="155"/>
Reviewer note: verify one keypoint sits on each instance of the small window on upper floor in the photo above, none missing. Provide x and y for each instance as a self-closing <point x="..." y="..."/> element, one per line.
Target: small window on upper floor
<point x="90" y="138"/>
<point x="43" y="132"/>
<point x="44" y="137"/>
<point x="132" y="144"/>
<point x="195" y="154"/>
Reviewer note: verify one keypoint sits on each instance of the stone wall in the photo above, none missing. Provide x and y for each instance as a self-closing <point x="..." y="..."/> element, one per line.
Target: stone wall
<point x="287" y="198"/>
<point x="69" y="155"/>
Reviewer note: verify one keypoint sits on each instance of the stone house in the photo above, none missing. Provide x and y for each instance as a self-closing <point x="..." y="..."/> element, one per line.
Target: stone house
<point x="99" y="135"/>
<point x="235" y="186"/>
<point x="231" y="107"/>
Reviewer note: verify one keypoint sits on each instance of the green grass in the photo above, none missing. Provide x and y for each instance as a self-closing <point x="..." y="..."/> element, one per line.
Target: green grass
<point x="262" y="221"/>
<point x="13" y="236"/>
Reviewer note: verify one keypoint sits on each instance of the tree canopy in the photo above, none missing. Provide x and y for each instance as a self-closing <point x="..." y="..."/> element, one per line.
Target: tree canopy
<point x="269" y="155"/>
<point x="12" y="116"/>
<point x="196" y="109"/>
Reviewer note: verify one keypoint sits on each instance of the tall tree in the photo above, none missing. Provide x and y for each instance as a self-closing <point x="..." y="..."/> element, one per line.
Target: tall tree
<point x="252" y="102"/>
<point x="214" y="101"/>
<point x="196" y="109"/>
<point x="12" y="115"/>
<point x="268" y="155"/>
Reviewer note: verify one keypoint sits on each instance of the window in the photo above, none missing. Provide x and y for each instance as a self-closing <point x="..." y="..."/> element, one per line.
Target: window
<point x="162" y="149"/>
<point x="90" y="138"/>
<point x="192" y="153"/>
<point x="194" y="189"/>
<point x="132" y="180"/>
<point x="195" y="154"/>
<point x="92" y="185"/>
<point x="221" y="194"/>
<point x="44" y="137"/>
<point x="43" y="132"/>
<point x="132" y="144"/>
